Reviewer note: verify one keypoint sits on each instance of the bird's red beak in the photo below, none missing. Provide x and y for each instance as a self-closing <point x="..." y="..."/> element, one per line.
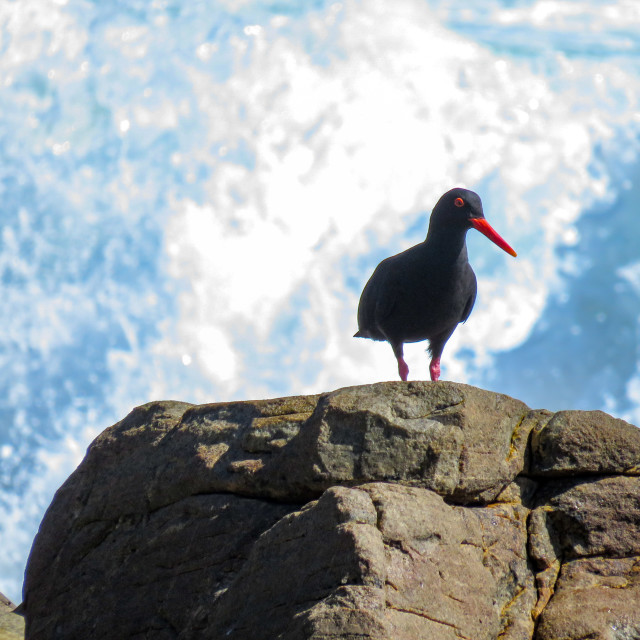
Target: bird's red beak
<point x="486" y="229"/>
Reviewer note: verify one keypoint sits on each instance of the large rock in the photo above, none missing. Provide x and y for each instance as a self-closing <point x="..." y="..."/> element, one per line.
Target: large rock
<point x="454" y="439"/>
<point x="580" y="442"/>
<point x="460" y="441"/>
<point x="578" y="517"/>
<point x="381" y="561"/>
<point x="179" y="556"/>
<point x="588" y="516"/>
<point x="395" y="510"/>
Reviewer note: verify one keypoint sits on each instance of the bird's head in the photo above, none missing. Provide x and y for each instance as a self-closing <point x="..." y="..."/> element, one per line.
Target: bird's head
<point x="463" y="208"/>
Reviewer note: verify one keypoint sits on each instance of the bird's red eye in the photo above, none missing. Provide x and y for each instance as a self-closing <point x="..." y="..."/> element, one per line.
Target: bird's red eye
<point x="459" y="202"/>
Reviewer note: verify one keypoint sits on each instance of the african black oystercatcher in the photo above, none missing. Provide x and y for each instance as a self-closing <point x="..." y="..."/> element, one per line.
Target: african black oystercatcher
<point x="425" y="291"/>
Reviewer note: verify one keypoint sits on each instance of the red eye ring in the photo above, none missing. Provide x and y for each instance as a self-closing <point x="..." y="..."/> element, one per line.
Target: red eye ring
<point x="459" y="202"/>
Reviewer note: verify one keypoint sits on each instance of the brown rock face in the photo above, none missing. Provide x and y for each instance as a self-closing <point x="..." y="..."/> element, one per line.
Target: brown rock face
<point x="389" y="511"/>
<point x="383" y="561"/>
<point x="11" y="624"/>
<point x="595" y="598"/>
<point x="585" y="442"/>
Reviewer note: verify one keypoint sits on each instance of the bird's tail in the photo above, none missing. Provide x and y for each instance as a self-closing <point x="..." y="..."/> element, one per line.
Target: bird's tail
<point x="366" y="333"/>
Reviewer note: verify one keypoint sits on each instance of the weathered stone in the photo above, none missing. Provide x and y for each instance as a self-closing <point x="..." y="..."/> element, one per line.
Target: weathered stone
<point x="454" y="572"/>
<point x="89" y="583"/>
<point x="595" y="598"/>
<point x="545" y="553"/>
<point x="437" y="582"/>
<point x="5" y="603"/>
<point x="589" y="516"/>
<point x="504" y="543"/>
<point x="463" y="442"/>
<point x="534" y="422"/>
<point x="11" y="624"/>
<point x="457" y="440"/>
<point x="239" y="447"/>
<point x="309" y="555"/>
<point x="196" y="449"/>
<point x="381" y="561"/>
<point x="117" y="475"/>
<point x="454" y="439"/>
<point x="521" y="491"/>
<point x="579" y="442"/>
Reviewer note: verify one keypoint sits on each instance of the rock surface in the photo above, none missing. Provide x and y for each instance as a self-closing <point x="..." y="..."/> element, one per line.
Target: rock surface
<point x="585" y="442"/>
<point x="11" y="624"/>
<point x="594" y="598"/>
<point x="388" y="511"/>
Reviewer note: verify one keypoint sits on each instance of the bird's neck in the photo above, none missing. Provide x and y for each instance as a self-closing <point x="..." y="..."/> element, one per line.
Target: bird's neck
<point x="447" y="245"/>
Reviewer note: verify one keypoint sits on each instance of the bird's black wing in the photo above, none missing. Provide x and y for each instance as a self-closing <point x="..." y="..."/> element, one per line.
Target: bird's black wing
<point x="387" y="290"/>
<point x="377" y="300"/>
<point x="472" y="286"/>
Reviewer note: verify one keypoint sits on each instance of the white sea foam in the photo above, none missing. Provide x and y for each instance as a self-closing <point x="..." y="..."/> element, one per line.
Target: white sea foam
<point x="364" y="144"/>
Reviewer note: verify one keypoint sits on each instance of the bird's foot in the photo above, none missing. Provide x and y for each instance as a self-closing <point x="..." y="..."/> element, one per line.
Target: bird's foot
<point x="434" y="369"/>
<point x="403" y="369"/>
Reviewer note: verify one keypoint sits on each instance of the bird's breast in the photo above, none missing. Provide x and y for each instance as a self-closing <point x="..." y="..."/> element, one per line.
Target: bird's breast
<point x="428" y="304"/>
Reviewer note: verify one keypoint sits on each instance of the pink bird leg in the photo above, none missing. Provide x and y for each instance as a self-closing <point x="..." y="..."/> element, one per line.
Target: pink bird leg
<point x="434" y="369"/>
<point x="403" y="369"/>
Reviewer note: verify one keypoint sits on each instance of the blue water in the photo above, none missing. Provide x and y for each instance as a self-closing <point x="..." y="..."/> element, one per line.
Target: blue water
<point x="194" y="193"/>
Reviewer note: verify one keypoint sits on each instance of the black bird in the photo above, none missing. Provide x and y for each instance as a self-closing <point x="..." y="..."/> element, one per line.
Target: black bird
<point x="425" y="291"/>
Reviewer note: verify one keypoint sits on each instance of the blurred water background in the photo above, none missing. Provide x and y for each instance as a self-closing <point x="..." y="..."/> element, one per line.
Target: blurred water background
<point x="192" y="195"/>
